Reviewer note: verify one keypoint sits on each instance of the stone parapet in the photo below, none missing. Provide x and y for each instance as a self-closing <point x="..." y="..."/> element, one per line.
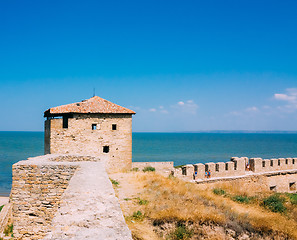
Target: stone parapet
<point x="37" y="188"/>
<point x="237" y="167"/>
<point x="39" y="185"/>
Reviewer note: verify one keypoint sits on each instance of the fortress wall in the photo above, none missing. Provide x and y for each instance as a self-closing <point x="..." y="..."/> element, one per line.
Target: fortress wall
<point x="72" y="158"/>
<point x="199" y="168"/>
<point x="257" y="183"/>
<point x="36" y="192"/>
<point x="62" y="197"/>
<point x="273" y="181"/>
<point x="237" y="167"/>
<point x="79" y="138"/>
<point x="47" y="127"/>
<point x="259" y="165"/>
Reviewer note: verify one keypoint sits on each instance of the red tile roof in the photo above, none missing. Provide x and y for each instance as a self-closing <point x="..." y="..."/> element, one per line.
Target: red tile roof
<point x="92" y="105"/>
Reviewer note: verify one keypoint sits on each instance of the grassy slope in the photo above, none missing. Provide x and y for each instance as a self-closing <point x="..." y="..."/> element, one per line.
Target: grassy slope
<point x="169" y="207"/>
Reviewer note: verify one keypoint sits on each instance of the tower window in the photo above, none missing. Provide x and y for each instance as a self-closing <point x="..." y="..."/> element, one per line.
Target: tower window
<point x="106" y="149"/>
<point x="65" y="122"/>
<point x="292" y="186"/>
<point x="114" y="127"/>
<point x="94" y="126"/>
<point x="272" y="188"/>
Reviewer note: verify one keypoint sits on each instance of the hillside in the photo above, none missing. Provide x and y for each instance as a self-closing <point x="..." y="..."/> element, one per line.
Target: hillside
<point x="158" y="207"/>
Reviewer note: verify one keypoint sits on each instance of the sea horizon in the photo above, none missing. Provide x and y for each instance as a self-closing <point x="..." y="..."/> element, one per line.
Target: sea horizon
<point x="179" y="147"/>
<point x="198" y="131"/>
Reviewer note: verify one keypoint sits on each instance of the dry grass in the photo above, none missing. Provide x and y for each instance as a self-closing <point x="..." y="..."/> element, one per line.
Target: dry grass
<point x="170" y="201"/>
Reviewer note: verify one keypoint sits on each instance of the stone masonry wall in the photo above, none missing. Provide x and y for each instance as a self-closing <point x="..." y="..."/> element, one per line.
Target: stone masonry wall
<point x="235" y="167"/>
<point x="35" y="195"/>
<point x="238" y="167"/>
<point x="260" y="182"/>
<point x="79" y="138"/>
<point x="266" y="165"/>
<point x="278" y="175"/>
<point x="65" y="197"/>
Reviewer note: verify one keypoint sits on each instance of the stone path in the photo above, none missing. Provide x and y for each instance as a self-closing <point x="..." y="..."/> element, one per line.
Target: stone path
<point x="89" y="208"/>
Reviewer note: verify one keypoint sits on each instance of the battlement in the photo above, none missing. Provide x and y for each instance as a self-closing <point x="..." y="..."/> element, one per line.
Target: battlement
<point x="237" y="166"/>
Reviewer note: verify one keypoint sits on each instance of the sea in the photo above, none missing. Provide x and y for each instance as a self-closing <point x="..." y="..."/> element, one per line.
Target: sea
<point x="181" y="148"/>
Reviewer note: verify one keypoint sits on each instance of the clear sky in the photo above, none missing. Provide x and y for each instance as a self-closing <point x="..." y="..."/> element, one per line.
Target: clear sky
<point x="181" y="65"/>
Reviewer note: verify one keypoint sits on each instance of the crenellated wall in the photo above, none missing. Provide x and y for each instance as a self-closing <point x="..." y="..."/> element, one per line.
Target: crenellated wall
<point x="279" y="175"/>
<point x="235" y="167"/>
<point x="259" y="165"/>
<point x="238" y="167"/>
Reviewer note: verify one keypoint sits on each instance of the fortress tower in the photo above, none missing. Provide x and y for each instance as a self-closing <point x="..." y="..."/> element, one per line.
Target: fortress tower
<point x="93" y="127"/>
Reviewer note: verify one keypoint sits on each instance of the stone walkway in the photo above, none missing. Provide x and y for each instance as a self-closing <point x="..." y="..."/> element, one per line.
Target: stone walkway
<point x="89" y="208"/>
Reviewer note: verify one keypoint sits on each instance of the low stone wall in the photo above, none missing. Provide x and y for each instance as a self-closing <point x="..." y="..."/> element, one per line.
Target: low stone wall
<point x="156" y="165"/>
<point x="72" y="158"/>
<point x="275" y="174"/>
<point x="37" y="188"/>
<point x="267" y="165"/>
<point x="277" y="181"/>
<point x="235" y="167"/>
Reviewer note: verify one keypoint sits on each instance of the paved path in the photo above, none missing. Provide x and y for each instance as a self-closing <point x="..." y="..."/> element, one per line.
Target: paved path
<point x="89" y="208"/>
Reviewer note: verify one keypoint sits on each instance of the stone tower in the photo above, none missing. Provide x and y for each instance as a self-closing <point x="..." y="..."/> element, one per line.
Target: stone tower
<point x="93" y="127"/>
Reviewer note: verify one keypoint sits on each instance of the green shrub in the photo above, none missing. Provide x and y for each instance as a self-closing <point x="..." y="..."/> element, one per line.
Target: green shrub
<point x="293" y="198"/>
<point x="241" y="199"/>
<point x="149" y="169"/>
<point x="138" y="215"/>
<point x="114" y="182"/>
<point x="274" y="203"/>
<point x="1" y="207"/>
<point x="181" y="233"/>
<point x="219" y="191"/>
<point x="136" y="169"/>
<point x="8" y="230"/>
<point x="142" y="202"/>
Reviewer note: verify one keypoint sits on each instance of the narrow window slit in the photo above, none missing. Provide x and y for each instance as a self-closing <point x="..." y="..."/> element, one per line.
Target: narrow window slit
<point x="106" y="149"/>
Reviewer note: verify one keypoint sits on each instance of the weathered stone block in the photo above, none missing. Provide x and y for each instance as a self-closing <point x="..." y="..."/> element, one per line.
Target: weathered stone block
<point x="256" y="165"/>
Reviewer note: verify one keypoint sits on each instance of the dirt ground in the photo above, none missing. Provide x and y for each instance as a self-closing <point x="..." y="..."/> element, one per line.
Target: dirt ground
<point x="129" y="192"/>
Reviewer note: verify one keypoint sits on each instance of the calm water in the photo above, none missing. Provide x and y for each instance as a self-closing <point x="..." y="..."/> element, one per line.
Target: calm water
<point x="181" y="148"/>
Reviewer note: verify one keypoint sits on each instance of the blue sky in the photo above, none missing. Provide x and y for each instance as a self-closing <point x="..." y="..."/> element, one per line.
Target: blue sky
<point x="181" y="65"/>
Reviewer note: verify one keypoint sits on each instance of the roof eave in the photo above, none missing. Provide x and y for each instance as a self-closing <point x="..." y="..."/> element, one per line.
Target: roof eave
<point x="47" y="113"/>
